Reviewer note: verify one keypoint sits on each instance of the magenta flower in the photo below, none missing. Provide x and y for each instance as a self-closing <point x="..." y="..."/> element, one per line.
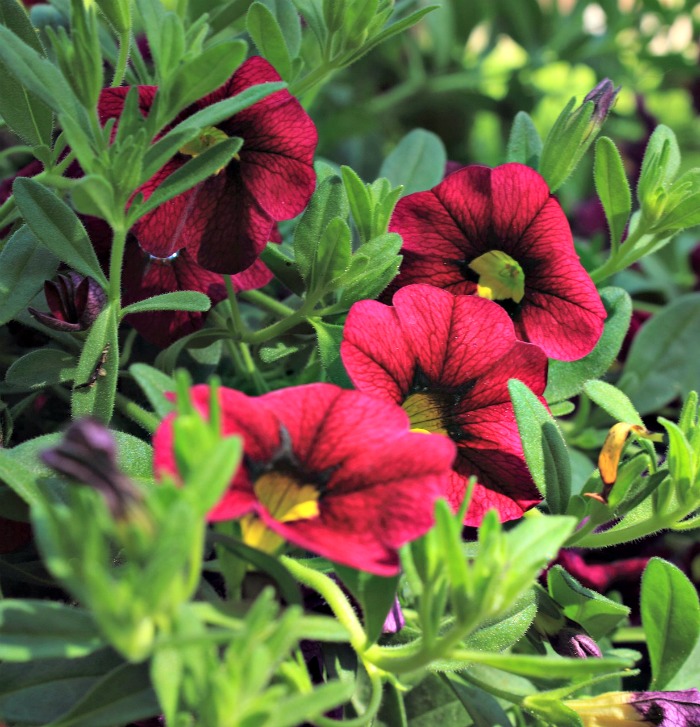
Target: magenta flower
<point x="226" y="221"/>
<point x="74" y="303"/>
<point x="498" y="233"/>
<point x="333" y="471"/>
<point x="446" y="360"/>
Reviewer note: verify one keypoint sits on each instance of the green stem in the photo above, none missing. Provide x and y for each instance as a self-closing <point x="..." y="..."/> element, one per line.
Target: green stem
<point x="334" y="597"/>
<point x="149" y="422"/>
<point x="239" y="328"/>
<point x="122" y="59"/>
<point x="277" y="329"/>
<point x="624" y="535"/>
<point x="261" y="300"/>
<point x="115" y="266"/>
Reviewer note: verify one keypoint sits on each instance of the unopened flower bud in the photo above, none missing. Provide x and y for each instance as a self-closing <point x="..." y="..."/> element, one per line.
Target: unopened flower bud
<point x="603" y="97"/>
<point x="573" y="132"/>
<point x="87" y="454"/>
<point x="74" y="303"/>
<point x="575" y="643"/>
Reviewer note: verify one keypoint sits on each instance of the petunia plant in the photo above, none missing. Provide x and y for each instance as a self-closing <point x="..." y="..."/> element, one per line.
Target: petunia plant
<point x="310" y="415"/>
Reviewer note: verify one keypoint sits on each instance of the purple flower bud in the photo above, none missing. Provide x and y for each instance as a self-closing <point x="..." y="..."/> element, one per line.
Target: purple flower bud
<point x="74" y="303"/>
<point x="87" y="454"/>
<point x="603" y="97"/>
<point x="395" y="620"/>
<point x="575" y="643"/>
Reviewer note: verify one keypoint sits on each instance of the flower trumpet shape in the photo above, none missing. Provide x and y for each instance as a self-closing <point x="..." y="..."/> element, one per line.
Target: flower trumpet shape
<point x="333" y="471"/>
<point x="446" y="360"/>
<point x="226" y="221"/>
<point x="499" y="234"/>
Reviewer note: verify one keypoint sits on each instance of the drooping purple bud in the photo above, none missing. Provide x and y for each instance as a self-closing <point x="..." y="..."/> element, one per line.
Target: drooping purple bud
<point x="74" y="303"/>
<point x="87" y="454"/>
<point x="575" y="643"/>
<point x="603" y="96"/>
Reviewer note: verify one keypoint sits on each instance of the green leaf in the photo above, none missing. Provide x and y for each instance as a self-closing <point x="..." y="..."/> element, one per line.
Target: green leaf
<point x="283" y="268"/>
<point x="196" y="170"/>
<point x="481" y="706"/>
<point x="38" y="76"/>
<point x="263" y="28"/>
<point x="205" y="73"/>
<point x="662" y="159"/>
<point x="597" y="614"/>
<point x="18" y="478"/>
<point x="417" y="162"/>
<point x="329" y="339"/>
<point x="93" y="195"/>
<point x="39" y="691"/>
<point x="532" y="544"/>
<point x="390" y="31"/>
<point x="503" y="632"/>
<point x="328" y="202"/>
<point x="671" y="619"/>
<point x="29" y="117"/>
<point x="662" y="362"/>
<point x="612" y="188"/>
<point x="524" y="143"/>
<point x="154" y="384"/>
<point x="134" y="458"/>
<point x="681" y="462"/>
<point x="57" y="227"/>
<point x="41" y="368"/>
<point x="547" y="667"/>
<point x="167" y="359"/>
<point x="373" y="267"/>
<point x="24" y="266"/>
<point x="613" y="401"/>
<point x="543" y="446"/>
<point x="122" y="696"/>
<point x="288" y="19"/>
<point x="566" y="378"/>
<point x="97" y="371"/>
<point x="188" y="300"/>
<point x="375" y="594"/>
<point x="332" y="256"/>
<point x="32" y="630"/>
<point x="360" y="201"/>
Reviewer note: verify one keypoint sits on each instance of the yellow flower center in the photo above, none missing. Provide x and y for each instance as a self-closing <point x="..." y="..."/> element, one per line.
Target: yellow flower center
<point x="500" y="277"/>
<point x="426" y="412"/>
<point x="209" y="136"/>
<point x="287" y="500"/>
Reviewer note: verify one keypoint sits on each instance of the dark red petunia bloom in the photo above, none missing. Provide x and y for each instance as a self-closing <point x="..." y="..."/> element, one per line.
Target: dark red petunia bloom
<point x="500" y="234"/>
<point x="447" y="360"/>
<point x="333" y="471"/>
<point x="145" y="275"/>
<point x="226" y="221"/>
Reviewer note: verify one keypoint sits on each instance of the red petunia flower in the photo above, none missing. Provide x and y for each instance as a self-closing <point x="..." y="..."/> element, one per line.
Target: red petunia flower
<point x="499" y="233"/>
<point x="334" y="471"/>
<point x="447" y="360"/>
<point x="226" y="221"/>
